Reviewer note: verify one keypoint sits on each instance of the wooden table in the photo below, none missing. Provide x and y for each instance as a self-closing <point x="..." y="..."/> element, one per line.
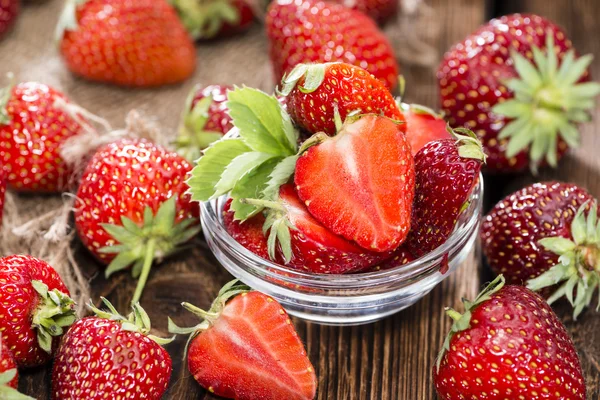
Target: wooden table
<point x="390" y="359"/>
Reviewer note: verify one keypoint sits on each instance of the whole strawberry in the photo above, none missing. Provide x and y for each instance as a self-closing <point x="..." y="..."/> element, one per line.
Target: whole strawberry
<point x="132" y="206"/>
<point x="205" y="119"/>
<point x="214" y="18"/>
<point x="315" y="91"/>
<point x="508" y="344"/>
<point x="32" y="130"/>
<point x="9" y="9"/>
<point x="523" y="101"/>
<point x="108" y="356"/>
<point x="34" y="309"/>
<point x="127" y="43"/>
<point x="9" y="376"/>
<point x="446" y="171"/>
<point x="379" y="10"/>
<point x="2" y="192"/>
<point x="245" y="343"/>
<point x="312" y="31"/>
<point x="248" y="233"/>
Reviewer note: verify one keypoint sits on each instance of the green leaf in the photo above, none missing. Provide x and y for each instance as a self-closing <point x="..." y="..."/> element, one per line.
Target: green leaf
<point x="314" y="77"/>
<point x="119" y="234"/>
<point x="526" y="70"/>
<point x="541" y="143"/>
<point x="520" y="141"/>
<point x="576" y="71"/>
<point x="551" y="277"/>
<point x="558" y="245"/>
<point x="513" y="128"/>
<point x="165" y="217"/>
<point x="569" y="134"/>
<point x="121" y="261"/>
<point x="237" y="168"/>
<point x="258" y="117"/>
<point x="512" y="108"/>
<point x="579" y="225"/>
<point x="280" y="175"/>
<point x="211" y="166"/>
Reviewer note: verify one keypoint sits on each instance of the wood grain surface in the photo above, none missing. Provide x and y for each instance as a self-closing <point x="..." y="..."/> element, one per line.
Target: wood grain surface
<point x="390" y="359"/>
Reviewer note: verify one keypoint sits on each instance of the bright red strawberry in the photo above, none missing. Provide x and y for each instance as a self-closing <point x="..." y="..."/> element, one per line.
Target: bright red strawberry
<point x="524" y="235"/>
<point x="523" y="102"/>
<point x="9" y="9"/>
<point x="247" y="233"/>
<point x="423" y="125"/>
<point x="101" y="358"/>
<point x="2" y="192"/>
<point x="312" y="31"/>
<point x="508" y="344"/>
<point x="446" y="171"/>
<point x="314" y="91"/>
<point x="214" y="18"/>
<point x="247" y="348"/>
<point x="7" y="363"/>
<point x="32" y="129"/>
<point x="205" y="119"/>
<point x="34" y="309"/>
<point x="132" y="206"/>
<point x="379" y="10"/>
<point x="128" y="43"/>
<point x="360" y="183"/>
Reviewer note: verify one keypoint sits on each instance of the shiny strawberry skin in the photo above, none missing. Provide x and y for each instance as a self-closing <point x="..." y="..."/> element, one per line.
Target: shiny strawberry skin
<point x="121" y="179"/>
<point x="423" y="128"/>
<point x="399" y="257"/>
<point x="471" y="80"/>
<point x="510" y="232"/>
<point x="252" y="351"/>
<point x="218" y="117"/>
<point x="444" y="182"/>
<point x="308" y="31"/>
<point x="129" y="43"/>
<point x="18" y="301"/>
<point x="3" y="182"/>
<point x="379" y="10"/>
<point x="30" y="142"/>
<point x="97" y="358"/>
<point x="9" y="9"/>
<point x="7" y="362"/>
<point x="349" y="88"/>
<point x="514" y="348"/>
<point x="360" y="183"/>
<point x="248" y="233"/>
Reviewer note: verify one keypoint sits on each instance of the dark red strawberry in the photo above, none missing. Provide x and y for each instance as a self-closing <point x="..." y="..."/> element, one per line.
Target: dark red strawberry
<point x="360" y="183"/>
<point x="3" y="181"/>
<point x="246" y="348"/>
<point x="132" y="206"/>
<point x="9" y="376"/>
<point x="9" y="9"/>
<point x="248" y="233"/>
<point x="108" y="356"/>
<point x="34" y="309"/>
<point x="379" y="10"/>
<point x="205" y="119"/>
<point x="523" y="101"/>
<point x="524" y="235"/>
<point x="208" y="19"/>
<point x="508" y="344"/>
<point x="399" y="257"/>
<point x="446" y="171"/>
<point x="423" y="125"/>
<point x="312" y="31"/>
<point x="315" y="91"/>
<point x="32" y="130"/>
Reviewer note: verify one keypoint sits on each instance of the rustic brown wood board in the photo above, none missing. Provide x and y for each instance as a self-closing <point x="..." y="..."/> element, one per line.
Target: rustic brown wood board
<point x="390" y="359"/>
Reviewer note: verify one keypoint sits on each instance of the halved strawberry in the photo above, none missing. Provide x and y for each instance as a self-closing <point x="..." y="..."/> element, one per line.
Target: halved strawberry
<point x="423" y="125"/>
<point x="360" y="183"/>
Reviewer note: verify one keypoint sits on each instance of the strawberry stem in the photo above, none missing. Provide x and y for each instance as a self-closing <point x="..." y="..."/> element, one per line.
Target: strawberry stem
<point x="148" y="259"/>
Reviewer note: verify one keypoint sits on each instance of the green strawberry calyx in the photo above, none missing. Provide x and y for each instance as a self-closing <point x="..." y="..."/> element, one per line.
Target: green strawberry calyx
<point x="159" y="236"/>
<point x="418" y="109"/>
<point x="7" y="392"/>
<point x="469" y="146"/>
<point x="208" y="318"/>
<point x="137" y="321"/>
<point x="204" y="19"/>
<point x="313" y="75"/>
<point x="54" y="313"/>
<point x="192" y="137"/>
<point x="462" y="322"/>
<point x="549" y="102"/>
<point x="579" y="261"/>
<point x="5" y="95"/>
<point x="68" y="18"/>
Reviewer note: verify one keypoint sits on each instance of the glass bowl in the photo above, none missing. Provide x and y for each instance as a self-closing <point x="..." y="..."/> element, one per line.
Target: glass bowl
<point x="350" y="299"/>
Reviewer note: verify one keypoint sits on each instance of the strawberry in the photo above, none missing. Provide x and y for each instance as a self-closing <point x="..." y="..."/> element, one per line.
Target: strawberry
<point x="508" y="344"/>
<point x="423" y="125"/>
<point x="34" y="309"/>
<point x="446" y="171"/>
<point x="399" y="257"/>
<point x="247" y="348"/>
<point x="315" y="91"/>
<point x="108" y="356"/>
<point x="305" y="244"/>
<point x="9" y="376"/>
<point x="523" y="101"/>
<point x="541" y="226"/>
<point x="247" y="233"/>
<point x="2" y="192"/>
<point x="205" y="119"/>
<point x="141" y="43"/>
<point x="312" y="31"/>
<point x="9" y="9"/>
<point x="360" y="183"/>
<point x="214" y="18"/>
<point x="379" y="10"/>
<point x="32" y="130"/>
<point x="132" y="206"/>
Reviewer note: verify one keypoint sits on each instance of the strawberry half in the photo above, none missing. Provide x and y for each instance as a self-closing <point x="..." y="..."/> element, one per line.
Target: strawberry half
<point x="315" y="91"/>
<point x="246" y="348"/>
<point x="360" y="183"/>
<point x="508" y="344"/>
<point x="446" y="171"/>
<point x="423" y="125"/>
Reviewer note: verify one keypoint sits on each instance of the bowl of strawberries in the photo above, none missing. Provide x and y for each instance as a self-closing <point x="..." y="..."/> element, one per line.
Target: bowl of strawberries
<point x="337" y="200"/>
